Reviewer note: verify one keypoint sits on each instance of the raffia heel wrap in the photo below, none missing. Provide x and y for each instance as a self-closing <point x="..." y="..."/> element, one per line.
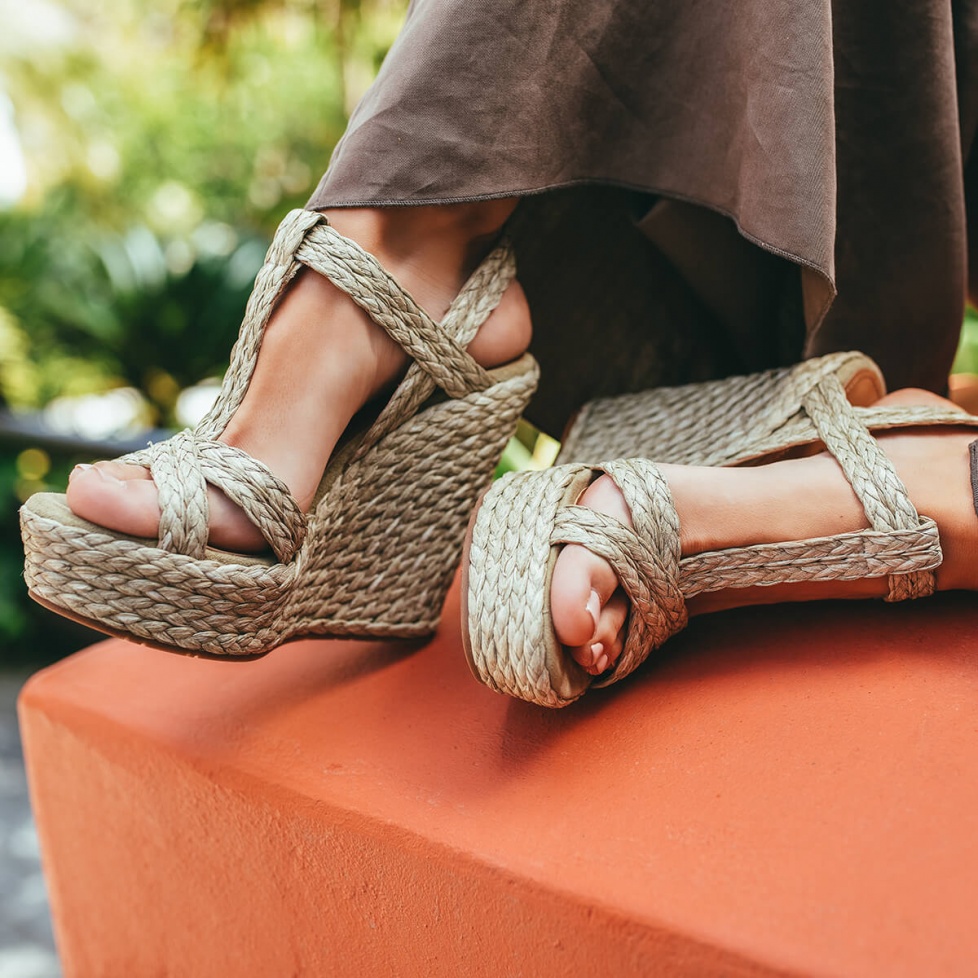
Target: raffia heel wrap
<point x="379" y="547"/>
<point x="526" y="517"/>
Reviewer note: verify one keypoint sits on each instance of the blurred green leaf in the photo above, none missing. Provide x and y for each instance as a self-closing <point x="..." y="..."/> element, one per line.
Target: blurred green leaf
<point x="966" y="359"/>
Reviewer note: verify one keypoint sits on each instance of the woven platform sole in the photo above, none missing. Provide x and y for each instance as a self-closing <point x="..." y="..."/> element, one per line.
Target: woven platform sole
<point x="507" y="631"/>
<point x="372" y="563"/>
<point x="717" y="422"/>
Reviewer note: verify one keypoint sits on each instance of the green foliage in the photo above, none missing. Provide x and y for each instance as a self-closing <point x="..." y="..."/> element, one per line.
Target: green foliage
<point x="169" y="111"/>
<point x="966" y="360"/>
<point x="164" y="141"/>
<point x="13" y="617"/>
<point x="87" y="308"/>
<point x="28" y="634"/>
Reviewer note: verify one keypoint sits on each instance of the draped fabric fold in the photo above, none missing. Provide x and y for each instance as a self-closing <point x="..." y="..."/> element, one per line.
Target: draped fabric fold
<point x="710" y="187"/>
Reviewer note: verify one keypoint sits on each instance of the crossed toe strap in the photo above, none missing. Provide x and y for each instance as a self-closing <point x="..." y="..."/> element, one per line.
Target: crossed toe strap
<point x="646" y="558"/>
<point x="182" y="467"/>
<point x="898" y="544"/>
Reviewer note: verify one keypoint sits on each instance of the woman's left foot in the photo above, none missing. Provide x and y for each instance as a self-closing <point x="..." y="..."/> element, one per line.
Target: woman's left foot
<point x="321" y="359"/>
<point x="795" y="499"/>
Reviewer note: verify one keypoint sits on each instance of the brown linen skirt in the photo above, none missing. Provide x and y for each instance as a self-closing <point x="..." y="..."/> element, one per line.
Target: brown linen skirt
<point x="710" y="187"/>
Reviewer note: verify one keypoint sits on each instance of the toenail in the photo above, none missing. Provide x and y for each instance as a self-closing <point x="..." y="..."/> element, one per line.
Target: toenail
<point x="111" y="479"/>
<point x="601" y="664"/>
<point x="593" y="607"/>
<point x="596" y="649"/>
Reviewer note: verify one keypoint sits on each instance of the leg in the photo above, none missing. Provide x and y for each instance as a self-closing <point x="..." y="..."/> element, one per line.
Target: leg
<point x="322" y="359"/>
<point x="793" y="499"/>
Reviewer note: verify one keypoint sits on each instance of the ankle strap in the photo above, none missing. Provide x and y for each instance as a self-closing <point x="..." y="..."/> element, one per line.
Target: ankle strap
<point x="365" y="281"/>
<point x="304" y="238"/>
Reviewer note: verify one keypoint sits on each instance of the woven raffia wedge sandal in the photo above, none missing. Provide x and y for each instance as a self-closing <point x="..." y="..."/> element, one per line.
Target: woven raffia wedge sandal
<point x="525" y="518"/>
<point x="379" y="546"/>
<point x="716" y="422"/>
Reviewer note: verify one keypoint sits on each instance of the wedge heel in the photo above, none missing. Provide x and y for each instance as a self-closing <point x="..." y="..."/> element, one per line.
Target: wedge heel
<point x="377" y="550"/>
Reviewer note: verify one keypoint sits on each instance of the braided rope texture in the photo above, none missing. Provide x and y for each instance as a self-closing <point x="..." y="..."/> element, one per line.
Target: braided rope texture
<point x="717" y="422"/>
<point x="525" y="518"/>
<point x="377" y="552"/>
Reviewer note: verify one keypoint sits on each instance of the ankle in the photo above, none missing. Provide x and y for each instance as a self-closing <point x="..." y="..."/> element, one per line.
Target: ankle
<point x="404" y="228"/>
<point x="435" y="248"/>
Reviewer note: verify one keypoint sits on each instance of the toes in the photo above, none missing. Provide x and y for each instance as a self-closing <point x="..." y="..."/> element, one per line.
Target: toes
<point x="127" y="505"/>
<point x="582" y="585"/>
<point x="78" y="470"/>
<point x="118" y="470"/>
<point x="603" y="650"/>
<point x="123" y="471"/>
<point x="587" y="607"/>
<point x="123" y="498"/>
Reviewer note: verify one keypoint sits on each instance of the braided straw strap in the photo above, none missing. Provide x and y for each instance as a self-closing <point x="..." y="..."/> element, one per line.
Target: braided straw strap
<point x="182" y="466"/>
<point x="737" y="420"/>
<point x="525" y="518"/>
<point x="800" y="430"/>
<point x="468" y="311"/>
<point x="870" y="473"/>
<point x="646" y="558"/>
<point x="708" y="423"/>
<point x="276" y="273"/>
<point x="657" y="582"/>
<point x="508" y="637"/>
<point x="182" y="495"/>
<point x="361" y="276"/>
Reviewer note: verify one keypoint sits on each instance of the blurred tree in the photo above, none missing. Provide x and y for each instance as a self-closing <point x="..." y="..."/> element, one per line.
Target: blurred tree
<point x="164" y="142"/>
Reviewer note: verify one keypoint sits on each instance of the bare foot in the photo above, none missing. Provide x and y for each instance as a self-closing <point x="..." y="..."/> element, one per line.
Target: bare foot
<point x="322" y="358"/>
<point x="781" y="501"/>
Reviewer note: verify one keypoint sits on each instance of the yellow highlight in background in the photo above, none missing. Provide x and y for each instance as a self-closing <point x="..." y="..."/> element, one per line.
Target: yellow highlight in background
<point x="33" y="464"/>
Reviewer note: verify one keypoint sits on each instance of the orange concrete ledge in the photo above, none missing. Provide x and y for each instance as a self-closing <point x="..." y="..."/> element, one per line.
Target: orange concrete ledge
<point x="787" y="791"/>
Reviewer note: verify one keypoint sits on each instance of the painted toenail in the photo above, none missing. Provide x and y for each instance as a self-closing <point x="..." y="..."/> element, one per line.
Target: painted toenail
<point x="594" y="608"/>
<point x="596" y="649"/>
<point x="601" y="664"/>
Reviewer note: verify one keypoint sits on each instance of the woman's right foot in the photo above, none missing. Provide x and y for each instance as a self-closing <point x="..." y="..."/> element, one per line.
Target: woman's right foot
<point x="796" y="499"/>
<point x="322" y="359"/>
